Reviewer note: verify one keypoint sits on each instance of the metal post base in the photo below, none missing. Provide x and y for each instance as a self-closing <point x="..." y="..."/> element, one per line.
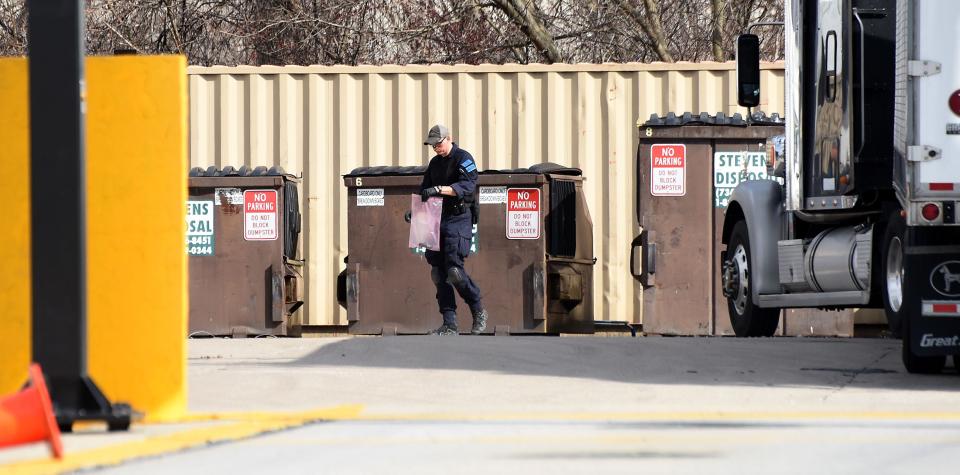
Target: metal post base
<point x="89" y="404"/>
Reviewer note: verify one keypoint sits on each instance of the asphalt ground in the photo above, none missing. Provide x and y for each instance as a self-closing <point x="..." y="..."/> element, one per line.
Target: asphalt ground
<point x="543" y="404"/>
<point x="577" y="447"/>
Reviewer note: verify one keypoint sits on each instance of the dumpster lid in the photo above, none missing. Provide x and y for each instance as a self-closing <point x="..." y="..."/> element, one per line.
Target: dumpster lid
<point x="387" y="171"/>
<point x="538" y="169"/>
<point x="229" y="171"/>
<point x="736" y="120"/>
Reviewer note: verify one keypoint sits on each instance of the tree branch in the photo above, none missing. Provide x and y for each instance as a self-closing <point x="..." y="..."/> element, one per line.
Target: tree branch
<point x="650" y="24"/>
<point x="718" y="11"/>
<point x="521" y="13"/>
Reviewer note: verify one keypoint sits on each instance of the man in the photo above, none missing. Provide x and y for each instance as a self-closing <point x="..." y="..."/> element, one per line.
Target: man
<point x="452" y="175"/>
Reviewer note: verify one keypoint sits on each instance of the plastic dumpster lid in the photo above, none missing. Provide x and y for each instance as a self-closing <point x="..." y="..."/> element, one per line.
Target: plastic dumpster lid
<point x="387" y="171"/>
<point x="242" y="171"/>
<point x="538" y="169"/>
<point x="736" y="120"/>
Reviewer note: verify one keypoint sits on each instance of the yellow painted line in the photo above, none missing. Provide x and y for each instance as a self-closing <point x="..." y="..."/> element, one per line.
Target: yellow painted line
<point x="941" y="416"/>
<point x="248" y="424"/>
<point x="251" y="424"/>
<point x="253" y="416"/>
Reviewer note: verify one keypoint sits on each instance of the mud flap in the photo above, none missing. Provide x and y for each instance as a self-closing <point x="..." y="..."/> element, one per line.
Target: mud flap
<point x="933" y="297"/>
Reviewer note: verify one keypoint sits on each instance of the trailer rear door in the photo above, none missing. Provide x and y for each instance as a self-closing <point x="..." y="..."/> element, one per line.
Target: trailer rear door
<point x="936" y="35"/>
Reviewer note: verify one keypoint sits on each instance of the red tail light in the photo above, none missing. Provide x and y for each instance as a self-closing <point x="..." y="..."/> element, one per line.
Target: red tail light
<point x="941" y="186"/>
<point x="955" y="102"/>
<point x="930" y="211"/>
<point x="945" y="308"/>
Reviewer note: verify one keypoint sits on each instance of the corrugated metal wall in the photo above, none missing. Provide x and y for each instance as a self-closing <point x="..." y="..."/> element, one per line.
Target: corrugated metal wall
<point x="323" y="121"/>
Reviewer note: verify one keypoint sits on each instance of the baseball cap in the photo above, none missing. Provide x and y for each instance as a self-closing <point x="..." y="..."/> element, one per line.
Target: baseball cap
<point x="437" y="133"/>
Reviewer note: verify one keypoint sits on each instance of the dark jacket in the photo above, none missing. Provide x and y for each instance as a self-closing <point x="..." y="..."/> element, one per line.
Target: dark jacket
<point x="457" y="170"/>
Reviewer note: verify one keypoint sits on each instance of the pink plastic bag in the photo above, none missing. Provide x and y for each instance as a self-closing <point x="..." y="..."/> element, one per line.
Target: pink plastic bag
<point x="425" y="222"/>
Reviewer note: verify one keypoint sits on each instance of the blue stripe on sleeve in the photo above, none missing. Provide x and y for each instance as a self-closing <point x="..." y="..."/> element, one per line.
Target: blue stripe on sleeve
<point x="471" y="168"/>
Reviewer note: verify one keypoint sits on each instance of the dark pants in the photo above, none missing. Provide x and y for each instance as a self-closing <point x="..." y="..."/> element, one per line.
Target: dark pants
<point x="447" y="267"/>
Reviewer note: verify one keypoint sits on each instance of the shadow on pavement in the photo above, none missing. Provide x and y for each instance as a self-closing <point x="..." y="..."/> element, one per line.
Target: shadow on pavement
<point x="808" y="362"/>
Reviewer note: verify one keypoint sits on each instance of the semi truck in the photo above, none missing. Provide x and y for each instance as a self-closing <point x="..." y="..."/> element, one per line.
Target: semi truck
<point x="864" y="211"/>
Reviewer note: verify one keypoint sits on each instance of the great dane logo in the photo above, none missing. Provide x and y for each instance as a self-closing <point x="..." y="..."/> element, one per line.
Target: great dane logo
<point x="945" y="278"/>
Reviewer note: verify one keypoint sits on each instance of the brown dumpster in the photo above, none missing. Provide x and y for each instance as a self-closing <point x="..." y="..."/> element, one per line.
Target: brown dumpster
<point x="242" y="231"/>
<point x="536" y="275"/>
<point x="687" y="166"/>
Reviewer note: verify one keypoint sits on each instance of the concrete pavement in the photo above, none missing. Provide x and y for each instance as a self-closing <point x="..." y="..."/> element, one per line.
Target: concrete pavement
<point x="570" y="447"/>
<point x="563" y="405"/>
<point x="528" y="375"/>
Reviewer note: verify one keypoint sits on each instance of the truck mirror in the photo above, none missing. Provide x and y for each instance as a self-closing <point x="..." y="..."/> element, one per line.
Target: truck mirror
<point x="748" y="70"/>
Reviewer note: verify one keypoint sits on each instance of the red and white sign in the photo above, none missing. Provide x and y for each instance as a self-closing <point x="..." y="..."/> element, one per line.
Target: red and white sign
<point x="260" y="215"/>
<point x="668" y="170"/>
<point x="523" y="213"/>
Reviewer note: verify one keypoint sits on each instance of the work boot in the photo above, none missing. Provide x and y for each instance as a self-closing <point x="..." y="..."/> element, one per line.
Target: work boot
<point x="445" y="330"/>
<point x="479" y="322"/>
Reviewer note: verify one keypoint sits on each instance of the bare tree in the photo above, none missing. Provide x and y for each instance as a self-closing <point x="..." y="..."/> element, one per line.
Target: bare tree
<point x="523" y="14"/>
<point x="414" y="31"/>
<point x="13" y="28"/>
<point x="649" y="21"/>
<point x="719" y="11"/>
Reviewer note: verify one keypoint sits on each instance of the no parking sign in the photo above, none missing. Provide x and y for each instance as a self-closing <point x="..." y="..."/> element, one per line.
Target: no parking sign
<point x="668" y="170"/>
<point x="260" y="215"/>
<point x="523" y="213"/>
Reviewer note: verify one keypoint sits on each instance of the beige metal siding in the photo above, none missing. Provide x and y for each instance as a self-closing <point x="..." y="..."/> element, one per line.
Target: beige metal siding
<point x="323" y="121"/>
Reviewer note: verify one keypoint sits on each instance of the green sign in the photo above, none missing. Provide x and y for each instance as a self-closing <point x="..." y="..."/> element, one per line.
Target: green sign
<point x="200" y="237"/>
<point x="474" y="241"/>
<point x="731" y="168"/>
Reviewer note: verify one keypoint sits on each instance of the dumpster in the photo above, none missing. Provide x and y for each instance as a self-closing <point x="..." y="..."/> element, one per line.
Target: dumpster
<point x="687" y="166"/>
<point x="243" y="227"/>
<point x="531" y="254"/>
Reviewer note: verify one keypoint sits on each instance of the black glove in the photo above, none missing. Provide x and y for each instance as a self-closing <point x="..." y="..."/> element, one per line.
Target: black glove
<point x="428" y="192"/>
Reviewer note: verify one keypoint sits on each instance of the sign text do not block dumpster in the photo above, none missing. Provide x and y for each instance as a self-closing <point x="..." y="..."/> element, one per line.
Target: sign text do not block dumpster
<point x="523" y="213"/>
<point x="260" y="215"/>
<point x="668" y="170"/>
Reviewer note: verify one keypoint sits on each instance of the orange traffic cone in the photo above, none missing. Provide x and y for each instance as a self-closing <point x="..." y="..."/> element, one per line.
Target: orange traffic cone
<point x="28" y="416"/>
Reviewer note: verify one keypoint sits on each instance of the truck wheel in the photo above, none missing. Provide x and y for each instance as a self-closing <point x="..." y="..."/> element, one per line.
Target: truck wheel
<point x="895" y="291"/>
<point x="918" y="364"/>
<point x="892" y="259"/>
<point x="747" y="319"/>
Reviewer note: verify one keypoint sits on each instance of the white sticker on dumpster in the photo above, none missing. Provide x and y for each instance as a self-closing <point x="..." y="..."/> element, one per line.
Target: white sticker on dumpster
<point x="227" y="196"/>
<point x="523" y="213"/>
<point x="260" y="215"/>
<point x="493" y="195"/>
<point x="668" y="170"/>
<point x="200" y="228"/>
<point x="369" y="196"/>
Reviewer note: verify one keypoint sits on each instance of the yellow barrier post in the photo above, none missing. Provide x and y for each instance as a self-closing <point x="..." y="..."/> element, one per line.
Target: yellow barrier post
<point x="137" y="265"/>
